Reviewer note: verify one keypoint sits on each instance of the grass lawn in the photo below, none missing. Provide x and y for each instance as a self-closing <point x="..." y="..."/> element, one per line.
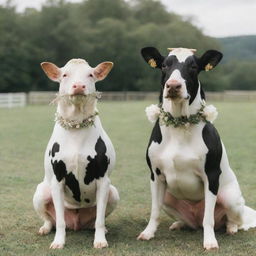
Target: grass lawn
<point x="24" y="133"/>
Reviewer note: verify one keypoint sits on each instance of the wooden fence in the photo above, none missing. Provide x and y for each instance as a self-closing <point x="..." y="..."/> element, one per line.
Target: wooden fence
<point x="47" y="97"/>
<point x="10" y="100"/>
<point x="41" y="98"/>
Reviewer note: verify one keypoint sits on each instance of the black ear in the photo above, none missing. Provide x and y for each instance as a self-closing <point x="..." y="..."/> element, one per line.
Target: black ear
<point x="152" y="56"/>
<point x="210" y="59"/>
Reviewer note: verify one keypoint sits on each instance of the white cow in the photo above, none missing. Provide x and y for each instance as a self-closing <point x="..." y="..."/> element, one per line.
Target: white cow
<point x="76" y="190"/>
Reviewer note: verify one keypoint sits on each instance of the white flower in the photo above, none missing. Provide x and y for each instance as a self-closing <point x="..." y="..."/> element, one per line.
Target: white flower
<point x="210" y="113"/>
<point x="152" y="113"/>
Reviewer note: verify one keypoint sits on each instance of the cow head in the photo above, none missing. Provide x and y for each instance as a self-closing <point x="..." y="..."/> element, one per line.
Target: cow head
<point x="180" y="71"/>
<point x="77" y="77"/>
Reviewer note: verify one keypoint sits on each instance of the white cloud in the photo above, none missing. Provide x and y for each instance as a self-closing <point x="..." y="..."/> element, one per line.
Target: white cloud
<point x="218" y="17"/>
<point x="215" y="17"/>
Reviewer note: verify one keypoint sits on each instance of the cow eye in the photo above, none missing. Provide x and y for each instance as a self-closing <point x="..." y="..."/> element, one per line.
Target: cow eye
<point x="64" y="75"/>
<point x="164" y="66"/>
<point x="90" y="75"/>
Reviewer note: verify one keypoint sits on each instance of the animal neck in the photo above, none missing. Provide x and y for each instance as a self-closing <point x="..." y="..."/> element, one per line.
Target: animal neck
<point x="183" y="108"/>
<point x="77" y="110"/>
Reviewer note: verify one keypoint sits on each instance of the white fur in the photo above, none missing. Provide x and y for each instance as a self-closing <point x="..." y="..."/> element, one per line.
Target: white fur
<point x="76" y="71"/>
<point x="76" y="145"/>
<point x="181" y="53"/>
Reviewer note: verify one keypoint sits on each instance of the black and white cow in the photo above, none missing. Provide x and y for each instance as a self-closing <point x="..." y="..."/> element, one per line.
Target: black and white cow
<point x="76" y="191"/>
<point x="190" y="174"/>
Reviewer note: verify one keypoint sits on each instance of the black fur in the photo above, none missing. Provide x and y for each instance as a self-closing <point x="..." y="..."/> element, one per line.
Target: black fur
<point x="73" y="184"/>
<point x="189" y="69"/>
<point x="156" y="136"/>
<point x="98" y="165"/>
<point x="158" y="172"/>
<point x="213" y="157"/>
<point x="59" y="169"/>
<point x="55" y="149"/>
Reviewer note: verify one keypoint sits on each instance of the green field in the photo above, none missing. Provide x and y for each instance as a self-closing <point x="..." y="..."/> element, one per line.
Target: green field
<point x="24" y="133"/>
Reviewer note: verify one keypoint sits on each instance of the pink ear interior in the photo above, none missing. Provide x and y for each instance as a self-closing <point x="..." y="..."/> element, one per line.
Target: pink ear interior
<point x="102" y="70"/>
<point x="51" y="70"/>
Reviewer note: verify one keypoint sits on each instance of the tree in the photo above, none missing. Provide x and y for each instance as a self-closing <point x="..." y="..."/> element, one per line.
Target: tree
<point x="96" y="30"/>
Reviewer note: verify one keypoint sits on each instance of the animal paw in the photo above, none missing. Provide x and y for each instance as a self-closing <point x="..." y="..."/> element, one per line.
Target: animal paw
<point x="177" y="225"/>
<point x="213" y="245"/>
<point x="100" y="244"/>
<point x="45" y="229"/>
<point x="145" y="236"/>
<point x="56" y="245"/>
<point x="232" y="228"/>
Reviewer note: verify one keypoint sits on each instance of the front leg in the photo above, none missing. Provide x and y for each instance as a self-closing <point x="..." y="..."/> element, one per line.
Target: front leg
<point x="58" y="201"/>
<point x="103" y="185"/>
<point x="157" y="194"/>
<point x="210" y="242"/>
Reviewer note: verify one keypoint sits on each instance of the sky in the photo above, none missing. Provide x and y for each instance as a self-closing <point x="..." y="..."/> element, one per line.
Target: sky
<point x="217" y="18"/>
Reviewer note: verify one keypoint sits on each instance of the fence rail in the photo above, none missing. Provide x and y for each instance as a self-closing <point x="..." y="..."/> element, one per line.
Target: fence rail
<point x="10" y="100"/>
<point x="41" y="98"/>
<point x="47" y="97"/>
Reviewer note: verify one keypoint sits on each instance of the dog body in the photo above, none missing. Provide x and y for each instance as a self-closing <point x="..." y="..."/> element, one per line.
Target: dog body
<point x="76" y="191"/>
<point x="190" y="174"/>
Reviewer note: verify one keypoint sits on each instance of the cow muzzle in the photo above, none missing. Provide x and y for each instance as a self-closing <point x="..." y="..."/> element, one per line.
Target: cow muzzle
<point x="78" y="89"/>
<point x="173" y="89"/>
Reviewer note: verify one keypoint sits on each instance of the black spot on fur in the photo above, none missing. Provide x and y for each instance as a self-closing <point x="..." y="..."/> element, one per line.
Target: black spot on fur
<point x="158" y="172"/>
<point x="202" y="93"/>
<point x="87" y="200"/>
<point x="156" y="136"/>
<point x="98" y="165"/>
<point x="72" y="183"/>
<point x="152" y="176"/>
<point x="213" y="158"/>
<point x="59" y="169"/>
<point x="55" y="149"/>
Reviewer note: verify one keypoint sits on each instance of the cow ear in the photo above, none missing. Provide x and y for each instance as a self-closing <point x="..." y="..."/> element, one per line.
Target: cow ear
<point x="102" y="70"/>
<point x="210" y="59"/>
<point x="152" y="56"/>
<point x="51" y="70"/>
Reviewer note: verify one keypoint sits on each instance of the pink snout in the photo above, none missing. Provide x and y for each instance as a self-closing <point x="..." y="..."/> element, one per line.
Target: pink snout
<point x="78" y="89"/>
<point x="173" y="89"/>
<point x="173" y="85"/>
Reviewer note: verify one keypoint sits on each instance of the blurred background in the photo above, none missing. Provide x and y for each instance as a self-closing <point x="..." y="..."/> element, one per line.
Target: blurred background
<point x="32" y="31"/>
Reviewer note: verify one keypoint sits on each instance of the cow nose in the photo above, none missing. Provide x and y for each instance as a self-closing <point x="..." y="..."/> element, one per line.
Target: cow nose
<point x="78" y="88"/>
<point x="173" y="85"/>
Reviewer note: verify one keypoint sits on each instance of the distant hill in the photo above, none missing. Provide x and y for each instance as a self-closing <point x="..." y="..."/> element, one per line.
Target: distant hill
<point x="239" y="47"/>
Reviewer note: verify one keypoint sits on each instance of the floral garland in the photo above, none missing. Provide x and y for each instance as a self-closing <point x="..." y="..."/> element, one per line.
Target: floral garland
<point x="205" y="114"/>
<point x="74" y="124"/>
<point x="165" y="118"/>
<point x="76" y="100"/>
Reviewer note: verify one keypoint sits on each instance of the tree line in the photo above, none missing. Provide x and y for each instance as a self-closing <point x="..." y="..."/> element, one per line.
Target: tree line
<point x="98" y="30"/>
